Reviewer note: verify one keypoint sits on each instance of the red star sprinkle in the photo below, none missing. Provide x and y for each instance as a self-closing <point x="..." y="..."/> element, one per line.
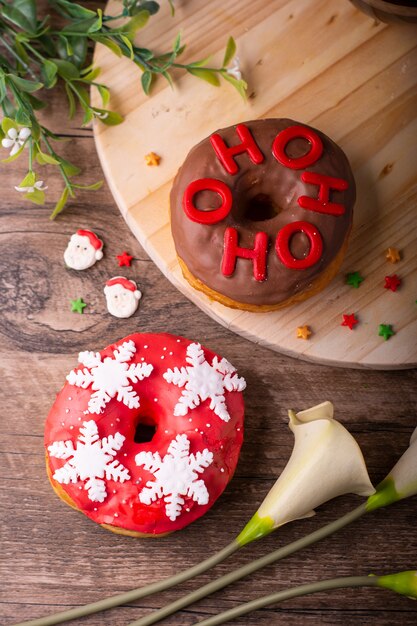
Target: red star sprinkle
<point x="392" y="282"/>
<point x="124" y="259"/>
<point x="349" y="320"/>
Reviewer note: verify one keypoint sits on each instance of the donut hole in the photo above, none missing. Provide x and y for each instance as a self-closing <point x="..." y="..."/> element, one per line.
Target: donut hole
<point x="145" y="430"/>
<point x="261" y="208"/>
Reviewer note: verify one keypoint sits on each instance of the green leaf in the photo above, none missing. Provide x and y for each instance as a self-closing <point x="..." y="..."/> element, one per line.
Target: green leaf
<point x="66" y="69"/>
<point x="230" y="51"/>
<point x="7" y="123"/>
<point x="109" y="43"/>
<point x="10" y="159"/>
<point x="8" y="107"/>
<point x="146" y="80"/>
<point x="137" y="22"/>
<point x="150" y="6"/>
<point x="49" y="73"/>
<point x="88" y="116"/>
<point x="171" y="4"/>
<point x="60" y="205"/>
<point x="177" y="43"/>
<point x="16" y="17"/>
<point x="37" y="196"/>
<point x="240" y="85"/>
<point x="71" y="101"/>
<point x="92" y="187"/>
<point x="20" y="50"/>
<point x="111" y="117"/>
<point x="89" y="25"/>
<point x="128" y="43"/>
<point x="28" y="9"/>
<point x="29" y="180"/>
<point x="200" y="63"/>
<point x="104" y="93"/>
<point x="35" y="102"/>
<point x="69" y="168"/>
<point x="91" y="76"/>
<point x="22" y="118"/>
<point x="28" y="86"/>
<point x="208" y="75"/>
<point x="83" y="96"/>
<point x="144" y="53"/>
<point x="75" y="10"/>
<point x="43" y="158"/>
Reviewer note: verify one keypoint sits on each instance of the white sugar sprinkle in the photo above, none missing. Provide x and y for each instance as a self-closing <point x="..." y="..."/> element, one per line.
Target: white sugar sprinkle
<point x="62" y="423"/>
<point x="164" y="348"/>
<point x="95" y="508"/>
<point x="69" y="398"/>
<point x="196" y="430"/>
<point x="167" y="431"/>
<point x="222" y="469"/>
<point x="190" y="419"/>
<point x="66" y="410"/>
<point x="71" y="427"/>
<point x="208" y="425"/>
<point x="162" y="357"/>
<point x="145" y="347"/>
<point x="114" y="491"/>
<point x="116" y="515"/>
<point x="171" y="353"/>
<point x="178" y="340"/>
<point x="155" y="399"/>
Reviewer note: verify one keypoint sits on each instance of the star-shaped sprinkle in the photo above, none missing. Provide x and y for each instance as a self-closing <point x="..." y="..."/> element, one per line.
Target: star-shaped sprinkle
<point x="124" y="259"/>
<point x="385" y="331"/>
<point x="303" y="332"/>
<point x="152" y="158"/>
<point x="393" y="255"/>
<point x="349" y="320"/>
<point x="354" y="279"/>
<point x="77" y="305"/>
<point x="392" y="282"/>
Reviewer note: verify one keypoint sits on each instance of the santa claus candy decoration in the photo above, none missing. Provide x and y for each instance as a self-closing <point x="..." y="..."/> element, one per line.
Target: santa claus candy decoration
<point x="83" y="250"/>
<point x="122" y="296"/>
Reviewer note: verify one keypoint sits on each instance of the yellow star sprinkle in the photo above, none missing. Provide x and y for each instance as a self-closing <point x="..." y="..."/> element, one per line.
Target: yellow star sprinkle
<point x="303" y="332"/>
<point x="393" y="255"/>
<point x="152" y="158"/>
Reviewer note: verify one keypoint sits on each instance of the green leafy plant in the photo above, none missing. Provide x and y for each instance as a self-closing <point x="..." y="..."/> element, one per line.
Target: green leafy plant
<point x="36" y="55"/>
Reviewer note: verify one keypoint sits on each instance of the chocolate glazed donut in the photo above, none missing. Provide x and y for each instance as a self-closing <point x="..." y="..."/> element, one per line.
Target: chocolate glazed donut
<point x="261" y="213"/>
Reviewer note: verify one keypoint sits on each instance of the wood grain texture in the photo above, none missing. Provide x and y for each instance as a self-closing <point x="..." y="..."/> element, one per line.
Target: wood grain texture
<point x="354" y="79"/>
<point x="52" y="558"/>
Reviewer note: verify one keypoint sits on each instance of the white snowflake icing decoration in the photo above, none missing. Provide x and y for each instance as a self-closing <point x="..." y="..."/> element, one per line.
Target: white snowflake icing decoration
<point x="176" y="476"/>
<point x="91" y="460"/>
<point x="202" y="381"/>
<point x="110" y="377"/>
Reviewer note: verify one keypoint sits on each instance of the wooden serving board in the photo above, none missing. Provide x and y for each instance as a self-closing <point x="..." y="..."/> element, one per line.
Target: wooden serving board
<point x="320" y="62"/>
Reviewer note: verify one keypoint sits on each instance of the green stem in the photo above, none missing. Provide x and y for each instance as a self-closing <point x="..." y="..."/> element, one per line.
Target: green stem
<point x="135" y="594"/>
<point x="30" y="154"/>
<point x="235" y="575"/>
<point x="18" y="58"/>
<point x="287" y="594"/>
<point x="52" y="152"/>
<point x="35" y="52"/>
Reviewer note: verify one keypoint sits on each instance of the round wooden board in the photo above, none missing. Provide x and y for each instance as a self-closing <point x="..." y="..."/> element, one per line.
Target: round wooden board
<point x="319" y="62"/>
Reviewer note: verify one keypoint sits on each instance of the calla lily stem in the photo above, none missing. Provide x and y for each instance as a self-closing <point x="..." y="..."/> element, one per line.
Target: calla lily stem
<point x="135" y="594"/>
<point x="241" y="572"/>
<point x="287" y="594"/>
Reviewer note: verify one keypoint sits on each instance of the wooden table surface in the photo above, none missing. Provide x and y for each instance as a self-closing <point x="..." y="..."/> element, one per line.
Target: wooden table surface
<point x="52" y="558"/>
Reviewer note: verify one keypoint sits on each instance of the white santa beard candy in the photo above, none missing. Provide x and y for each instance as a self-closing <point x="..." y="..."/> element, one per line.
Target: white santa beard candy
<point x="80" y="254"/>
<point x="121" y="302"/>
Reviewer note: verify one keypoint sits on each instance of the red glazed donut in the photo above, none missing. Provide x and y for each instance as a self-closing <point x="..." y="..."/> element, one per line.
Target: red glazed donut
<point x="146" y="434"/>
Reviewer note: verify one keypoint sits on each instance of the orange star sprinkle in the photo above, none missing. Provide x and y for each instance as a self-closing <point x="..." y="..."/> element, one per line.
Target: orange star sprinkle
<point x="393" y="255"/>
<point x="152" y="158"/>
<point x="303" y="332"/>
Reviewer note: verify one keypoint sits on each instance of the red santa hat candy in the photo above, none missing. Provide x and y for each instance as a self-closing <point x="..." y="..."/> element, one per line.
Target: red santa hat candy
<point x="130" y="285"/>
<point x="94" y="240"/>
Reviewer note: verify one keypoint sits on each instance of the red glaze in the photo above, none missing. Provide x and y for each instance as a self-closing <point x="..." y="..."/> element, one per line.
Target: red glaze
<point x="202" y="426"/>
<point x="322" y="204"/>
<point x="207" y="217"/>
<point x="257" y="254"/>
<point x="226" y="154"/>
<point x="283" y="242"/>
<point x="295" y="132"/>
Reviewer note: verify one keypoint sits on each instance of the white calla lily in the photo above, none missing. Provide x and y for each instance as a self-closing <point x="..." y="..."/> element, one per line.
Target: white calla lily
<point x="401" y="482"/>
<point x="326" y="462"/>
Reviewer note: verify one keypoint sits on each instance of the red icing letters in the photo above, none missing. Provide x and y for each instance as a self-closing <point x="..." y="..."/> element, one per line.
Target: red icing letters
<point x="232" y="251"/>
<point x="283" y="240"/>
<point x="294" y="132"/>
<point x="207" y="217"/>
<point x="322" y="203"/>
<point x="226" y="154"/>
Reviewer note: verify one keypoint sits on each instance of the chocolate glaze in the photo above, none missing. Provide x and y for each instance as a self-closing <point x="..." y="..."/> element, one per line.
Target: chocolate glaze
<point x="264" y="199"/>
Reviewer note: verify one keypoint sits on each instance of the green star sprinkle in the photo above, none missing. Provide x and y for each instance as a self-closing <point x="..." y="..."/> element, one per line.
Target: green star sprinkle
<point x="77" y="305"/>
<point x="354" y="279"/>
<point x="385" y="331"/>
